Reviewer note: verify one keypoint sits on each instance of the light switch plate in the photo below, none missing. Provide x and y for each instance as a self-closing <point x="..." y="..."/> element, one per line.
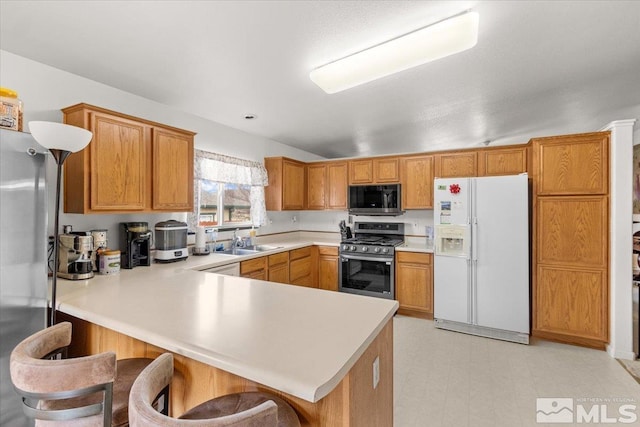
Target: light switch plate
<point x="376" y="372"/>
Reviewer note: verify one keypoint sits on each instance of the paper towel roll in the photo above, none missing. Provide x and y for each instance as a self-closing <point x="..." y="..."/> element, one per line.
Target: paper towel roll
<point x="201" y="241"/>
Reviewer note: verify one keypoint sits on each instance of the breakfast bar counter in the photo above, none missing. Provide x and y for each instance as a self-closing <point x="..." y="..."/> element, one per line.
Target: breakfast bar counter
<point x="315" y="348"/>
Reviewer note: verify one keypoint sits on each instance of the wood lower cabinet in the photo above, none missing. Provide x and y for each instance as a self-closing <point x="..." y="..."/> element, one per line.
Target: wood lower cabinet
<point x="328" y="268"/>
<point x="456" y="164"/>
<point x="417" y="182"/>
<point x="279" y="267"/>
<point x="414" y="283"/>
<point x="571" y="239"/>
<point x="255" y="268"/>
<point x="131" y="165"/>
<point x="503" y="161"/>
<point x="287" y="185"/>
<point x="301" y="267"/>
<point x="572" y="302"/>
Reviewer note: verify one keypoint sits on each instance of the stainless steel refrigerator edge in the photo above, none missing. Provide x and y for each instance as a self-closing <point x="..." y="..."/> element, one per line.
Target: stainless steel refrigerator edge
<point x="23" y="256"/>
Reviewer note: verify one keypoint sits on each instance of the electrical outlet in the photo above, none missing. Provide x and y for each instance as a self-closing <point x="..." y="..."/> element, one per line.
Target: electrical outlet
<point x="376" y="372"/>
<point x="350" y="219"/>
<point x="294" y="219"/>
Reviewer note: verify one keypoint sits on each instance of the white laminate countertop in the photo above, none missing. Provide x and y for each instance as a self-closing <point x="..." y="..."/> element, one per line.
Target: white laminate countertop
<point x="294" y="339"/>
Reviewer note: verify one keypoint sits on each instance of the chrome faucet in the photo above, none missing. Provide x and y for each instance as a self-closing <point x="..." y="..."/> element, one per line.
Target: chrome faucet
<point x="237" y="241"/>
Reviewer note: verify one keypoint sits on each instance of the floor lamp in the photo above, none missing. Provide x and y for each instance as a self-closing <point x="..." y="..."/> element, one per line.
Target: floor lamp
<point x="61" y="140"/>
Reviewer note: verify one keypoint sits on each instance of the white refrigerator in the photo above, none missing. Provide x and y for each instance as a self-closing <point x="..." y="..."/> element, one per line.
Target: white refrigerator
<point x="481" y="262"/>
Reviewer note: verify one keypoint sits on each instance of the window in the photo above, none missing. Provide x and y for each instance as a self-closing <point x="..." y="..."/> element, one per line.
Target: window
<point x="229" y="192"/>
<point x="224" y="204"/>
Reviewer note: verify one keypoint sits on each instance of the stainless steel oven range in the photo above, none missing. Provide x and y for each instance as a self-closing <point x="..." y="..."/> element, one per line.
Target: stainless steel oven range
<point x="367" y="259"/>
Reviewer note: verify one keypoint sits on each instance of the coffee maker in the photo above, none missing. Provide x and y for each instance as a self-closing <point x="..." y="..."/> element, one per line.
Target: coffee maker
<point x="135" y="244"/>
<point x="74" y="255"/>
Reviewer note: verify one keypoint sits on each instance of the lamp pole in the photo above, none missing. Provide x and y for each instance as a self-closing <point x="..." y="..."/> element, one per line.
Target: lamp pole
<point x="60" y="156"/>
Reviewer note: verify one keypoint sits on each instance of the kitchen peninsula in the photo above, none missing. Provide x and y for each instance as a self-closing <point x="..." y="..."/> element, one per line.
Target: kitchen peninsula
<point x="329" y="354"/>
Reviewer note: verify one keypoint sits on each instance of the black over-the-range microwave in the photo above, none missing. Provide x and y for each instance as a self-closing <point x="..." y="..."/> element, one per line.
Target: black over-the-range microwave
<point x="375" y="200"/>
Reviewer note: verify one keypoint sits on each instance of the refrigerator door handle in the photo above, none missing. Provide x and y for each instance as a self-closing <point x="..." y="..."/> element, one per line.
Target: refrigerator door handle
<point x="470" y="290"/>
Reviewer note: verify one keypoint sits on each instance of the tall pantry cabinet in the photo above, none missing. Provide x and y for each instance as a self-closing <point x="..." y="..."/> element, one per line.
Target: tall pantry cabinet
<point x="571" y="231"/>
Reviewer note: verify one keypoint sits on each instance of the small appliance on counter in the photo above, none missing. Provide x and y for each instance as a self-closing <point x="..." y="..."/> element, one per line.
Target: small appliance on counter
<point x="74" y="255"/>
<point x="171" y="241"/>
<point x="135" y="244"/>
<point x="99" y="244"/>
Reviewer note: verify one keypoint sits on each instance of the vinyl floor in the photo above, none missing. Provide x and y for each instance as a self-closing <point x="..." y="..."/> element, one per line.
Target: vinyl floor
<point x="449" y="379"/>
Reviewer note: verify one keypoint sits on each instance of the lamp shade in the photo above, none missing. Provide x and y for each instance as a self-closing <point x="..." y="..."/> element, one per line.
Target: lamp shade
<point x="58" y="136"/>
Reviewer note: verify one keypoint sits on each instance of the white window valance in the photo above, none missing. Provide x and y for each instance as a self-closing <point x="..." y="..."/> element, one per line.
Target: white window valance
<point x="220" y="168"/>
<point x="231" y="170"/>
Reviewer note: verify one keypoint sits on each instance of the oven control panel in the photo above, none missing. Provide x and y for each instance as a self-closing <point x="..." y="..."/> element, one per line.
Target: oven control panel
<point x="367" y="249"/>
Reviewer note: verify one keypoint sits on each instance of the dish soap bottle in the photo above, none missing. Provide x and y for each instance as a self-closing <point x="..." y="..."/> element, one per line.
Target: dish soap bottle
<point x="252" y="236"/>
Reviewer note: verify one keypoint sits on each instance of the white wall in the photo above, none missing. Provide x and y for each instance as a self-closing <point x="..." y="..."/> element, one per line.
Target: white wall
<point x="44" y="90"/>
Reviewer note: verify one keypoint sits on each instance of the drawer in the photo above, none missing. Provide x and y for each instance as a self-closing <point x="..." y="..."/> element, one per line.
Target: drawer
<point x="255" y="264"/>
<point x="299" y="268"/>
<point x="300" y="253"/>
<point x="414" y="257"/>
<point x="281" y="258"/>
<point x="328" y="250"/>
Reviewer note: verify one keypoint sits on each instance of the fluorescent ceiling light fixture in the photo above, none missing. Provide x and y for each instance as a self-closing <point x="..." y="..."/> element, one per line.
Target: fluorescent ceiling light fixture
<point x="444" y="38"/>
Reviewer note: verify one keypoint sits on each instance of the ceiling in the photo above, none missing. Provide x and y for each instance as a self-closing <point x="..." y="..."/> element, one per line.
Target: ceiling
<point x="538" y="65"/>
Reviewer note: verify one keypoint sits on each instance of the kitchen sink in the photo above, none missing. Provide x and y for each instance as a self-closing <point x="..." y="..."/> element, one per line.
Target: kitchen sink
<point x="249" y="250"/>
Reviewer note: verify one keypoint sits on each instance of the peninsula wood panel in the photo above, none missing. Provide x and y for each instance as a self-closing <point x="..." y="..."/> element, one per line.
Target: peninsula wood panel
<point x="172" y="171"/>
<point x="414" y="284"/>
<point x="456" y="165"/>
<point x="572" y="164"/>
<point x="352" y="403"/>
<point x="573" y="302"/>
<point x="417" y="182"/>
<point x="316" y="184"/>
<point x="503" y="161"/>
<point x="573" y="231"/>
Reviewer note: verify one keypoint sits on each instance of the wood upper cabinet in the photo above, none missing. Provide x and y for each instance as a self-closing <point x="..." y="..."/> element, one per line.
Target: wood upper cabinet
<point x="337" y="185"/>
<point x="456" y="164"/>
<point x="328" y="268"/>
<point x="572" y="164"/>
<point x="287" y="185"/>
<point x="414" y="283"/>
<point x="316" y="186"/>
<point x="172" y="171"/>
<point x="361" y="171"/>
<point x="131" y="165"/>
<point x="503" y="161"/>
<point x="374" y="170"/>
<point x="327" y="185"/>
<point x="279" y="267"/>
<point x="417" y="182"/>
<point x="386" y="170"/>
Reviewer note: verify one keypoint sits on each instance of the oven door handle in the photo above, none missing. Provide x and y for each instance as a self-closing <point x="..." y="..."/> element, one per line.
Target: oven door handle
<point x="388" y="260"/>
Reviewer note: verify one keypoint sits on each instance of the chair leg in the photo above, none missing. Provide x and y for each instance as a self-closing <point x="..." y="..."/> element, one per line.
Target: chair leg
<point x="108" y="404"/>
